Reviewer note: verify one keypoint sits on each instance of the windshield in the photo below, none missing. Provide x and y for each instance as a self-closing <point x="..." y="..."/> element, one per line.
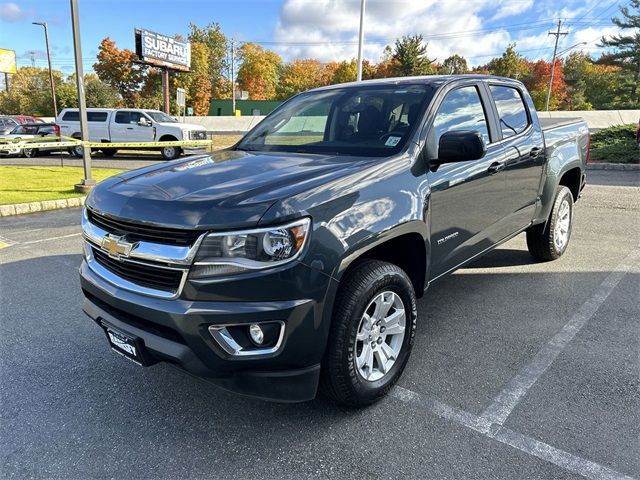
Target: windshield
<point x="25" y="130"/>
<point x="160" y="116"/>
<point x="358" y="120"/>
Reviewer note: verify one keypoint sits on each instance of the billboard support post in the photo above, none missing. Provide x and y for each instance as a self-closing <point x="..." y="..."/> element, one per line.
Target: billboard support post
<point x="6" y="81"/>
<point x="165" y="91"/>
<point x="87" y="182"/>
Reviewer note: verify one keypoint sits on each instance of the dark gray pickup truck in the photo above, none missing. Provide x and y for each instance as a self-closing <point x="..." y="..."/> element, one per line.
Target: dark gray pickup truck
<point x="293" y="260"/>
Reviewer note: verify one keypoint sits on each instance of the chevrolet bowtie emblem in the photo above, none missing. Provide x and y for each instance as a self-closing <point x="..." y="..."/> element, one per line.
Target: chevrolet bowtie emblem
<point x="116" y="246"/>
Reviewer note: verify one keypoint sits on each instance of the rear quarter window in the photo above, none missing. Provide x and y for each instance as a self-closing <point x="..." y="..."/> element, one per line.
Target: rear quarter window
<point x="514" y="118"/>
<point x="71" y="117"/>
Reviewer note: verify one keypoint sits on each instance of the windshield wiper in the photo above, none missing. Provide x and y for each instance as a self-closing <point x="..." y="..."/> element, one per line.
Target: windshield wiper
<point x="246" y="149"/>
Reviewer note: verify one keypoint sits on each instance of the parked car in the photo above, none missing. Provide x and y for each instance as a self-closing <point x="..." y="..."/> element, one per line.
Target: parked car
<point x="9" y="122"/>
<point x="294" y="259"/>
<point x="131" y="125"/>
<point x="11" y="144"/>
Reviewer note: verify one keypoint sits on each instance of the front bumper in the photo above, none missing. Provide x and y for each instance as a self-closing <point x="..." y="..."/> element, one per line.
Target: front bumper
<point x="177" y="330"/>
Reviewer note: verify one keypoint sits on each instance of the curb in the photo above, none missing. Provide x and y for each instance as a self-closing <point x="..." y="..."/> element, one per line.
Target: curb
<point x="32" y="207"/>
<point x="614" y="166"/>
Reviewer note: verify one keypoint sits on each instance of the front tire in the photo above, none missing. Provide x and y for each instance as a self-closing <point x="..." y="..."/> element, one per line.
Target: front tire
<point x="77" y="151"/>
<point x="549" y="241"/>
<point x="170" y="153"/>
<point x="372" y="333"/>
<point x="29" y="152"/>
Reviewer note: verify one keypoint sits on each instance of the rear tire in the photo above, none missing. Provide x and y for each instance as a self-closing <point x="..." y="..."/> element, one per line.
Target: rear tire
<point x="109" y="152"/>
<point x="77" y="151"/>
<point x="549" y="241"/>
<point x="346" y="375"/>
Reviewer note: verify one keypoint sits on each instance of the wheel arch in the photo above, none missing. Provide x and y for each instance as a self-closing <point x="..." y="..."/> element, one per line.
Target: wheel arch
<point x="406" y="246"/>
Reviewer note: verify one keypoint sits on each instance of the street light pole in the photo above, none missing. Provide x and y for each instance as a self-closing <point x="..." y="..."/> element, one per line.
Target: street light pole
<point x="233" y="77"/>
<point x="53" y="88"/>
<point x="87" y="182"/>
<point x="361" y="38"/>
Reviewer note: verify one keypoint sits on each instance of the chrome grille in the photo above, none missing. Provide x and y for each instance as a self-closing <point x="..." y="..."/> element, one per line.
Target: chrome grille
<point x="136" y="232"/>
<point x="146" y="275"/>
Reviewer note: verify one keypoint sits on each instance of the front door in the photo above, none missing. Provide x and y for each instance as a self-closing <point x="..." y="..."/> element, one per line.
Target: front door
<point x="125" y="127"/>
<point x="467" y="198"/>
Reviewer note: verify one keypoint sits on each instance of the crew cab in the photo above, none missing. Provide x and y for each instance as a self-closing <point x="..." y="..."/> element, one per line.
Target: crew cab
<point x="294" y="259"/>
<point x="131" y="125"/>
<point x="16" y="142"/>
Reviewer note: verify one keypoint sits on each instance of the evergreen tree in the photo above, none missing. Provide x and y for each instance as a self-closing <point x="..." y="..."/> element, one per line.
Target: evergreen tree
<point x="626" y="54"/>
<point x="410" y="57"/>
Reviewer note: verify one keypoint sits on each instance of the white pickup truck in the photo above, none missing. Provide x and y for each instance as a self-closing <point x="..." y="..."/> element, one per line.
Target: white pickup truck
<point x="126" y="125"/>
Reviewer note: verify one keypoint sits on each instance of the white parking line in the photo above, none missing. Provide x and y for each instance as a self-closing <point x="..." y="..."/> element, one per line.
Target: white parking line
<point x="31" y="242"/>
<point x="510" y="396"/>
<point x="516" y="440"/>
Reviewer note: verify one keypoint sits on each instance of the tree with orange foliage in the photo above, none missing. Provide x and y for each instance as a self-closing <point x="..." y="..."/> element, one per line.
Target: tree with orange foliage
<point x="537" y="82"/>
<point x="259" y="72"/>
<point x="117" y="68"/>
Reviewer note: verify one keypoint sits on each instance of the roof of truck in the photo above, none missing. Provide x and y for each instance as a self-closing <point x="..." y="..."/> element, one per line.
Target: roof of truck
<point x="435" y="80"/>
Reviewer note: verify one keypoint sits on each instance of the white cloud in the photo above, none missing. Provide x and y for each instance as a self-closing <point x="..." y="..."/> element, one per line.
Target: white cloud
<point x="508" y="8"/>
<point x="328" y="29"/>
<point x="11" y="12"/>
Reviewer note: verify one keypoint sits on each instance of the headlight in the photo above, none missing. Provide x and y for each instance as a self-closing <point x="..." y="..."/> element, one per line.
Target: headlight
<point x="198" y="135"/>
<point x="237" y="252"/>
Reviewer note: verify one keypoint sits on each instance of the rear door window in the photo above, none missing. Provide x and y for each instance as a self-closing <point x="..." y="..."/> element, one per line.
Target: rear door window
<point x="96" y="116"/>
<point x="514" y="118"/>
<point x="461" y="109"/>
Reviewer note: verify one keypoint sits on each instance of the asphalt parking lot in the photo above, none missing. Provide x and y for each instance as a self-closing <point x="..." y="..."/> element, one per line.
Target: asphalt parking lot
<point x="520" y="370"/>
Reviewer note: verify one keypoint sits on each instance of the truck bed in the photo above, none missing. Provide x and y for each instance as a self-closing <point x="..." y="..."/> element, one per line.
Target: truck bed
<point x="550" y="123"/>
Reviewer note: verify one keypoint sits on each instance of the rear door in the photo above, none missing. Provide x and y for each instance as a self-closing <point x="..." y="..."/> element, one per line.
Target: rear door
<point x="523" y="143"/>
<point x="466" y="201"/>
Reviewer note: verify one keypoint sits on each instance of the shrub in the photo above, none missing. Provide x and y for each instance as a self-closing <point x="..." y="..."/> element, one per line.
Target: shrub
<point x="616" y="145"/>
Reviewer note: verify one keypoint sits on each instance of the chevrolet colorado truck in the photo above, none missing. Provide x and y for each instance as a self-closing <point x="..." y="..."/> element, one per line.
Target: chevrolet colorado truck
<point x="292" y="261"/>
<point x="131" y="125"/>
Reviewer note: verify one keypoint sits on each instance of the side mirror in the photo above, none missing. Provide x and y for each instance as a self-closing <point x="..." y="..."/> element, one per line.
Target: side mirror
<point x="461" y="146"/>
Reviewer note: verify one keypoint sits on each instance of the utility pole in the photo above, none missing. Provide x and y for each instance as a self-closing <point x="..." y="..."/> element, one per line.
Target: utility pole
<point x="87" y="183"/>
<point x="53" y="88"/>
<point x="557" y="34"/>
<point x="233" y="81"/>
<point x="361" y="38"/>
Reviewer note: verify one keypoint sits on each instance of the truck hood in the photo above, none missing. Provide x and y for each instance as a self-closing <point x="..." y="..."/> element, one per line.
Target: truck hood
<point x="180" y="125"/>
<point x="226" y="189"/>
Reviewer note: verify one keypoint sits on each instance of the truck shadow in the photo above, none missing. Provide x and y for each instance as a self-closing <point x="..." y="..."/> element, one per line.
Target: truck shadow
<point x="90" y="387"/>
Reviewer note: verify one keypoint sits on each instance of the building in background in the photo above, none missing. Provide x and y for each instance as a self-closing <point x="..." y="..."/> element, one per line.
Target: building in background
<point x="220" y="108"/>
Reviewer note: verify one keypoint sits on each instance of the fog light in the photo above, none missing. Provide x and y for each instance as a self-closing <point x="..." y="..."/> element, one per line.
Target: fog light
<point x="257" y="335"/>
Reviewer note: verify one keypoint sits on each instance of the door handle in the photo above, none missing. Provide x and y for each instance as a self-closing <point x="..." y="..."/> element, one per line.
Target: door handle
<point x="129" y="128"/>
<point x="535" y="151"/>
<point x="496" y="167"/>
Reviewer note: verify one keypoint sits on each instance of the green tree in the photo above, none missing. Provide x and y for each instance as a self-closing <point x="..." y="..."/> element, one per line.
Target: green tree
<point x="455" y="64"/>
<point x="298" y="76"/>
<point x="30" y="92"/>
<point x="576" y="66"/>
<point x="215" y="41"/>
<point x="410" y="57"/>
<point x="260" y="71"/>
<point x="626" y="53"/>
<point x="509" y="64"/>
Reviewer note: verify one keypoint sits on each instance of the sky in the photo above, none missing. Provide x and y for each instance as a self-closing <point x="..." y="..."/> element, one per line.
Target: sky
<point x="323" y="29"/>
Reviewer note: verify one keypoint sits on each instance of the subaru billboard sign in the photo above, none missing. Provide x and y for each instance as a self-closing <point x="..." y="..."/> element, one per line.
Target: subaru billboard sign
<point x="163" y="51"/>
